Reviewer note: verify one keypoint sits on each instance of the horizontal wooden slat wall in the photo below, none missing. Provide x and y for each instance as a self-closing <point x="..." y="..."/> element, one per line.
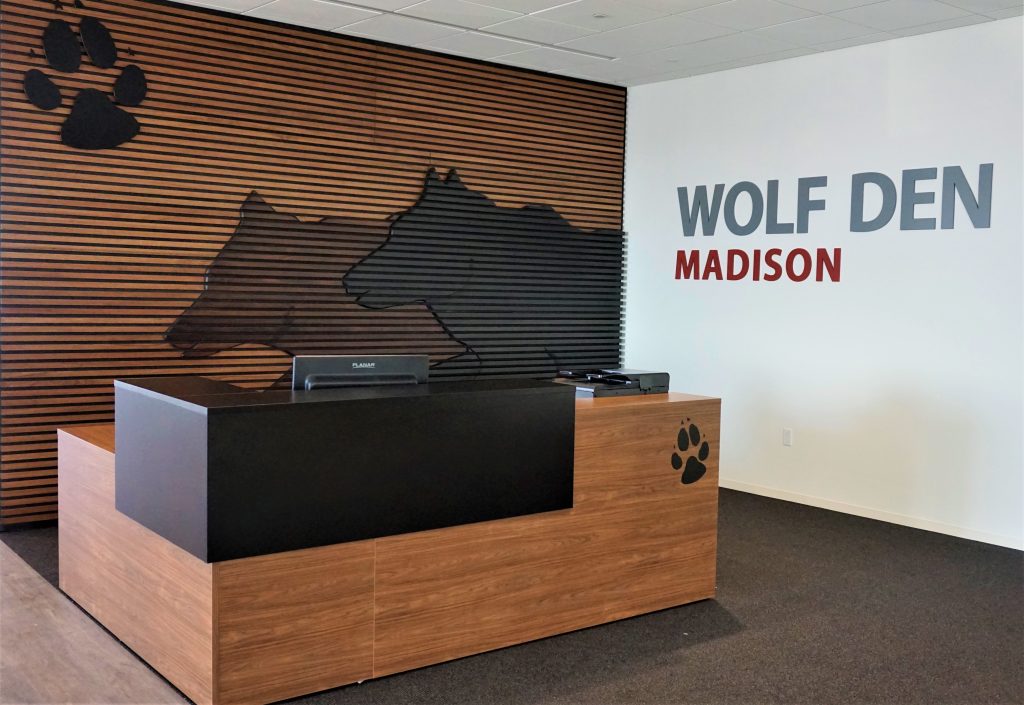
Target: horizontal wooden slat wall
<point x="102" y="251"/>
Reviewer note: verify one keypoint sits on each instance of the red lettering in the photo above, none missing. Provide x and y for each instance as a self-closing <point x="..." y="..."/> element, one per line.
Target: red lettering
<point x="731" y="257"/>
<point x="831" y="265"/>
<point x="771" y="258"/>
<point x="747" y="264"/>
<point x="687" y="266"/>
<point x="791" y="272"/>
<point x="713" y="264"/>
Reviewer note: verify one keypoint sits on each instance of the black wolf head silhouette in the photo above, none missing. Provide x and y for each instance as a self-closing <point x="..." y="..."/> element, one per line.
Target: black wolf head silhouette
<point x="516" y="285"/>
<point x="277" y="282"/>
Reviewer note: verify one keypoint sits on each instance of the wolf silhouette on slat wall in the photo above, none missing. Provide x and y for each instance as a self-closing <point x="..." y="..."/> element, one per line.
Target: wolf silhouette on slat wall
<point x="277" y="282"/>
<point x="518" y="286"/>
<point x="482" y="289"/>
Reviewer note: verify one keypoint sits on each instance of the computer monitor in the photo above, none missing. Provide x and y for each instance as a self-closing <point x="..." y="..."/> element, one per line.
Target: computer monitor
<point x="328" y="371"/>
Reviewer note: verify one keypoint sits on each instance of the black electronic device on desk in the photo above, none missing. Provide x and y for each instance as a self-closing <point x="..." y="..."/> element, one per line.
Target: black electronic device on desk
<point x="329" y="371"/>
<point x="614" y="383"/>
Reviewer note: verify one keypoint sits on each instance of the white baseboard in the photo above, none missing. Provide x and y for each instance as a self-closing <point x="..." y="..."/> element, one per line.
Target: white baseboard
<point x="1016" y="542"/>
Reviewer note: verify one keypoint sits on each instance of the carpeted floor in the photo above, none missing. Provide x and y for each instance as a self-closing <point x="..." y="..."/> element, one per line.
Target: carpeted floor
<point x="814" y="607"/>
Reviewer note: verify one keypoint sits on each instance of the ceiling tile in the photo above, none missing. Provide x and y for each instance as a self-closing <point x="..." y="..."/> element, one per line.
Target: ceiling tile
<point x="729" y="48"/>
<point x="400" y="30"/>
<point x="986" y="7"/>
<point x="648" y="64"/>
<point x="389" y="5"/>
<point x="815" y="30"/>
<point x="653" y="40"/>
<point x="649" y="36"/>
<point x="789" y="54"/>
<point x="458" y="12"/>
<point x="726" y="66"/>
<point x="891" y="15"/>
<point x="672" y="75"/>
<point x="674" y="6"/>
<point x="539" y="30"/>
<point x="573" y="73"/>
<point x="826" y="6"/>
<point x="231" y="5"/>
<point x="598" y="79"/>
<point x="855" y="41"/>
<point x="652" y="79"/>
<point x="478" y="46"/>
<point x="311" y="13"/>
<point x="750" y="61"/>
<point x="610" y="74"/>
<point x="748" y="14"/>
<point x="659" y="78"/>
<point x="546" y="59"/>
<point x="523" y="6"/>
<point x="1004" y="14"/>
<point x="712" y="51"/>
<point x="601" y="15"/>
<point x="939" y="26"/>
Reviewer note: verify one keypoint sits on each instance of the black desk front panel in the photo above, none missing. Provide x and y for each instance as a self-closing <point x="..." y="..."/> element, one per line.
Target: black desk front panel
<point x="287" y="470"/>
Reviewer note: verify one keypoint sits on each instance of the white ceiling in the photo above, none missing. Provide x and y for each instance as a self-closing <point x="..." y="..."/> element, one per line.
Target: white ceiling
<point x="627" y="42"/>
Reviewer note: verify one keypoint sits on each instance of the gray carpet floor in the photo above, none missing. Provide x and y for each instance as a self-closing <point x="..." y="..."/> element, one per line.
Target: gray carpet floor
<point x="813" y="607"/>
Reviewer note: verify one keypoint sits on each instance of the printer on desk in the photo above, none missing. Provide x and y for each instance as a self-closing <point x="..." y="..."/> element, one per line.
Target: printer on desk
<point x="614" y="383"/>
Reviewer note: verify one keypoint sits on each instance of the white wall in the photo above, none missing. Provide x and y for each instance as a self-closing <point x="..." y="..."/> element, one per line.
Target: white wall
<point x="902" y="382"/>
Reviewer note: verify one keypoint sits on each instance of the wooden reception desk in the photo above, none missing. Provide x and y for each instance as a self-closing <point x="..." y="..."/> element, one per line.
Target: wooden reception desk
<point x="264" y="628"/>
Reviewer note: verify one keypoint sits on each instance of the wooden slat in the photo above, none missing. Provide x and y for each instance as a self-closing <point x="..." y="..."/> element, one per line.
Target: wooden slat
<point x="103" y="251"/>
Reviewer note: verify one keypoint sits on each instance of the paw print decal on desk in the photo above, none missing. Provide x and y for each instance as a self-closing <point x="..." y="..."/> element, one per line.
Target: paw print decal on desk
<point x="95" y="121"/>
<point x="691" y="444"/>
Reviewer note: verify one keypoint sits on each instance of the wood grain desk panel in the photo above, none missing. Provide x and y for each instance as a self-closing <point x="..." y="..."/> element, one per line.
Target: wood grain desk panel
<point x="152" y="595"/>
<point x="294" y="622"/>
<point x="261" y="629"/>
<point x="248" y="631"/>
<point x="637" y="540"/>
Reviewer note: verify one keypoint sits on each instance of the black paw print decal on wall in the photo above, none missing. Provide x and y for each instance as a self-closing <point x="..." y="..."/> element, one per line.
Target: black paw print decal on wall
<point x="95" y="121"/>
<point x="694" y="447"/>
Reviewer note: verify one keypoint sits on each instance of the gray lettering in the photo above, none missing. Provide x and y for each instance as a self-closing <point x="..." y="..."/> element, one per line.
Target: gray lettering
<point x="804" y="203"/>
<point x="910" y="199"/>
<point x="708" y="216"/>
<point x="772" y="224"/>
<point x="885" y="213"/>
<point x="756" y="208"/>
<point x="954" y="184"/>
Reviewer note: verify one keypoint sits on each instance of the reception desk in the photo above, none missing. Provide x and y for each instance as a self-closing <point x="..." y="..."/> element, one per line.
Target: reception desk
<point x="227" y="473"/>
<point x="266" y="627"/>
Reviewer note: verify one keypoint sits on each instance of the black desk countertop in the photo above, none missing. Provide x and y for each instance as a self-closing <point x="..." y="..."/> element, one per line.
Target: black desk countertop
<point x="214" y="395"/>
